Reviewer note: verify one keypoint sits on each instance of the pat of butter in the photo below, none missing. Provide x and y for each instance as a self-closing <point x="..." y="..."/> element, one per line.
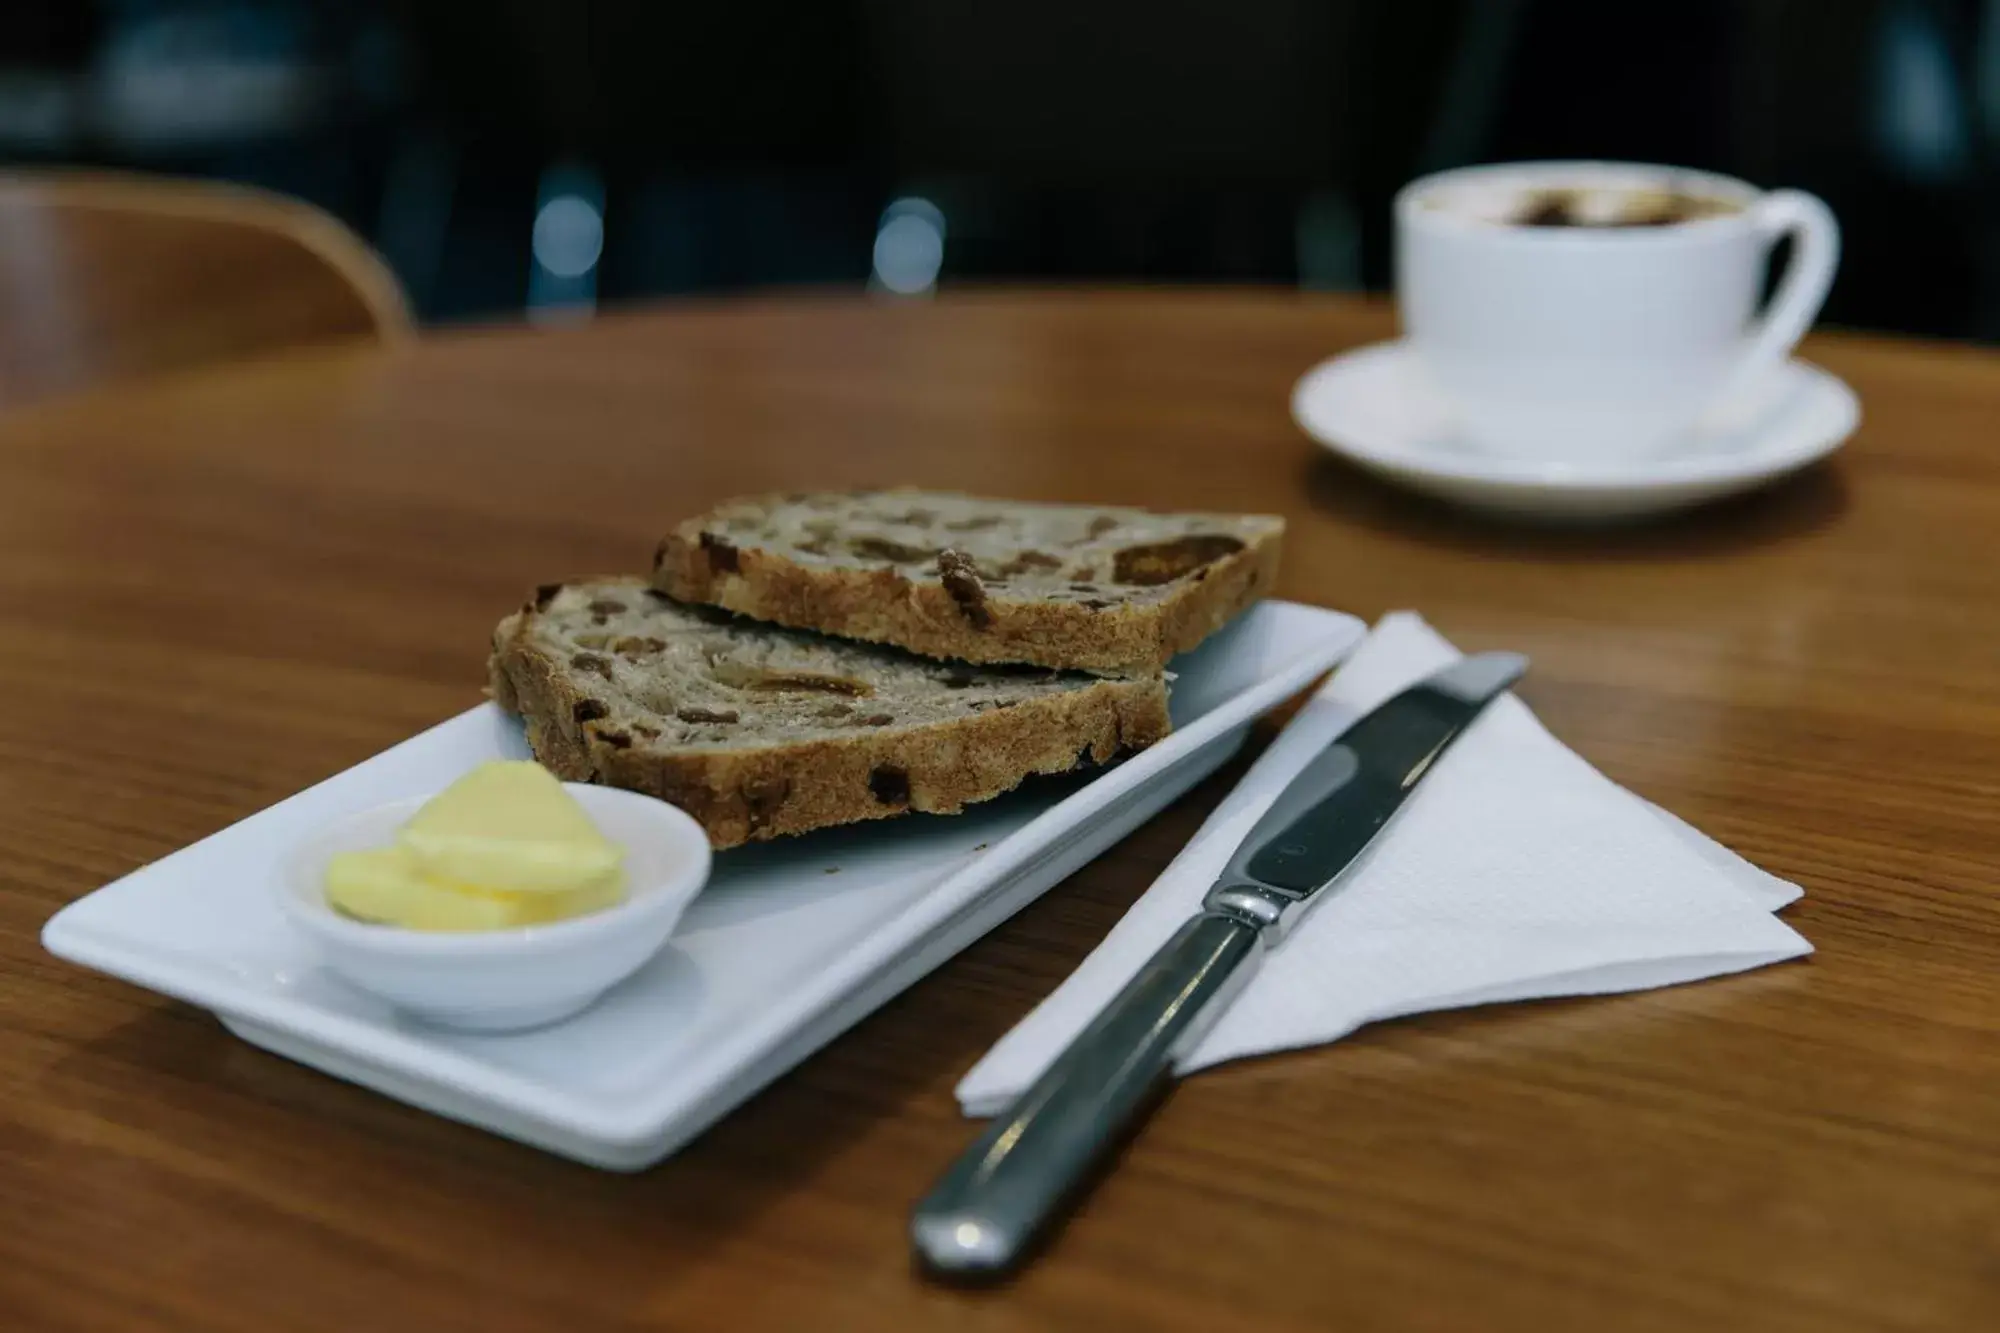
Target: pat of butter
<point x="509" y="827"/>
<point x="387" y="886"/>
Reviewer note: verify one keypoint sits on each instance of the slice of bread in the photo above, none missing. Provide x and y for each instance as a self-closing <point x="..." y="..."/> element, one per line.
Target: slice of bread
<point x="759" y="732"/>
<point x="954" y="576"/>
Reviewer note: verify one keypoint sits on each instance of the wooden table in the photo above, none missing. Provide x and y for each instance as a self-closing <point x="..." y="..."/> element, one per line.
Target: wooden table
<point x="216" y="591"/>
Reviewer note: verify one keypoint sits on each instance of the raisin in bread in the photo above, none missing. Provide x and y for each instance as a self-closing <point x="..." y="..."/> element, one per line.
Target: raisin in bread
<point x="979" y="580"/>
<point x="759" y="732"/>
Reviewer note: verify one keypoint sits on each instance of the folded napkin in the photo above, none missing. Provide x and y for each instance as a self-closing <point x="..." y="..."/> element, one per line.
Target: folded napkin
<point x="1516" y="870"/>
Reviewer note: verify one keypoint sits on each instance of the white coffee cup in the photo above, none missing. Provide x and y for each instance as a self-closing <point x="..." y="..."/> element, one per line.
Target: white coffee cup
<point x="1595" y="342"/>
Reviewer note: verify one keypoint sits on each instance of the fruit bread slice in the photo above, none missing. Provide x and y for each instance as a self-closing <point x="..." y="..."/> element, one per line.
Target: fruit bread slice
<point x="980" y="580"/>
<point x="758" y="731"/>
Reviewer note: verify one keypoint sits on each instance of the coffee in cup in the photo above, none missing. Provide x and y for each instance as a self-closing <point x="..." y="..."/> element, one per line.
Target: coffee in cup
<point x="1617" y="208"/>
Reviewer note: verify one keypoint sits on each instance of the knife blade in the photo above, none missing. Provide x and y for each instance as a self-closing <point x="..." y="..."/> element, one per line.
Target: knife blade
<point x="989" y="1206"/>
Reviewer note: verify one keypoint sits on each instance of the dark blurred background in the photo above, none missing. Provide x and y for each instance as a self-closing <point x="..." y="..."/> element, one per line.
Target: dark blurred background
<point x="522" y="154"/>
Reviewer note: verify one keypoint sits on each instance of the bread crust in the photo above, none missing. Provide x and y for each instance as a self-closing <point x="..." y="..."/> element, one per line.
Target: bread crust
<point x="923" y="615"/>
<point x="756" y="793"/>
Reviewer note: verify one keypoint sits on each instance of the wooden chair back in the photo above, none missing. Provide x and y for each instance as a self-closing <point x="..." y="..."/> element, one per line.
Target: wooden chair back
<point x="104" y="277"/>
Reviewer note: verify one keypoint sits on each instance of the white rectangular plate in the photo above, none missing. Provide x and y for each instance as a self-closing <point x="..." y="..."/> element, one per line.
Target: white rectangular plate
<point x="791" y="943"/>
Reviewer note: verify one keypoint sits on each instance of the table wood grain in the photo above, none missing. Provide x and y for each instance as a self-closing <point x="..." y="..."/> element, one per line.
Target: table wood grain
<point x="218" y="590"/>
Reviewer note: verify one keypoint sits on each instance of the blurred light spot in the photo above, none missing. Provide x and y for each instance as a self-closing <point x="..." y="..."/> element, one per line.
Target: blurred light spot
<point x="1329" y="242"/>
<point x="1919" y="106"/>
<point x="909" y="246"/>
<point x="568" y="236"/>
<point x="1986" y="66"/>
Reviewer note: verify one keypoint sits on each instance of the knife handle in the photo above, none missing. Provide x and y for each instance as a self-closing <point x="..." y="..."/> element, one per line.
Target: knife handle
<point x="980" y="1217"/>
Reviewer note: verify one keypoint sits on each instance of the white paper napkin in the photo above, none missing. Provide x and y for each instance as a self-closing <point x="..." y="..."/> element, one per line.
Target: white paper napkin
<point x="1516" y="870"/>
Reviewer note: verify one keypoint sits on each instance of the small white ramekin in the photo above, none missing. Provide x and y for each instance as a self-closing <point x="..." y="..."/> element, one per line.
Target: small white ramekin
<point x="505" y="980"/>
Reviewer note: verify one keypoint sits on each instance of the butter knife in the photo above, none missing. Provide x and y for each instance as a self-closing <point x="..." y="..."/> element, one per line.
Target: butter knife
<point x="998" y="1197"/>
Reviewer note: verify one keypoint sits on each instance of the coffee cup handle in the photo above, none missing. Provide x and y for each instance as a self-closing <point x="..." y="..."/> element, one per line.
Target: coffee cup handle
<point x="1793" y="307"/>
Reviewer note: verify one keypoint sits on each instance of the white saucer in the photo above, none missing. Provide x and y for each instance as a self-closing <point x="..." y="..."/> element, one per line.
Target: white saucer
<point x="1372" y="408"/>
